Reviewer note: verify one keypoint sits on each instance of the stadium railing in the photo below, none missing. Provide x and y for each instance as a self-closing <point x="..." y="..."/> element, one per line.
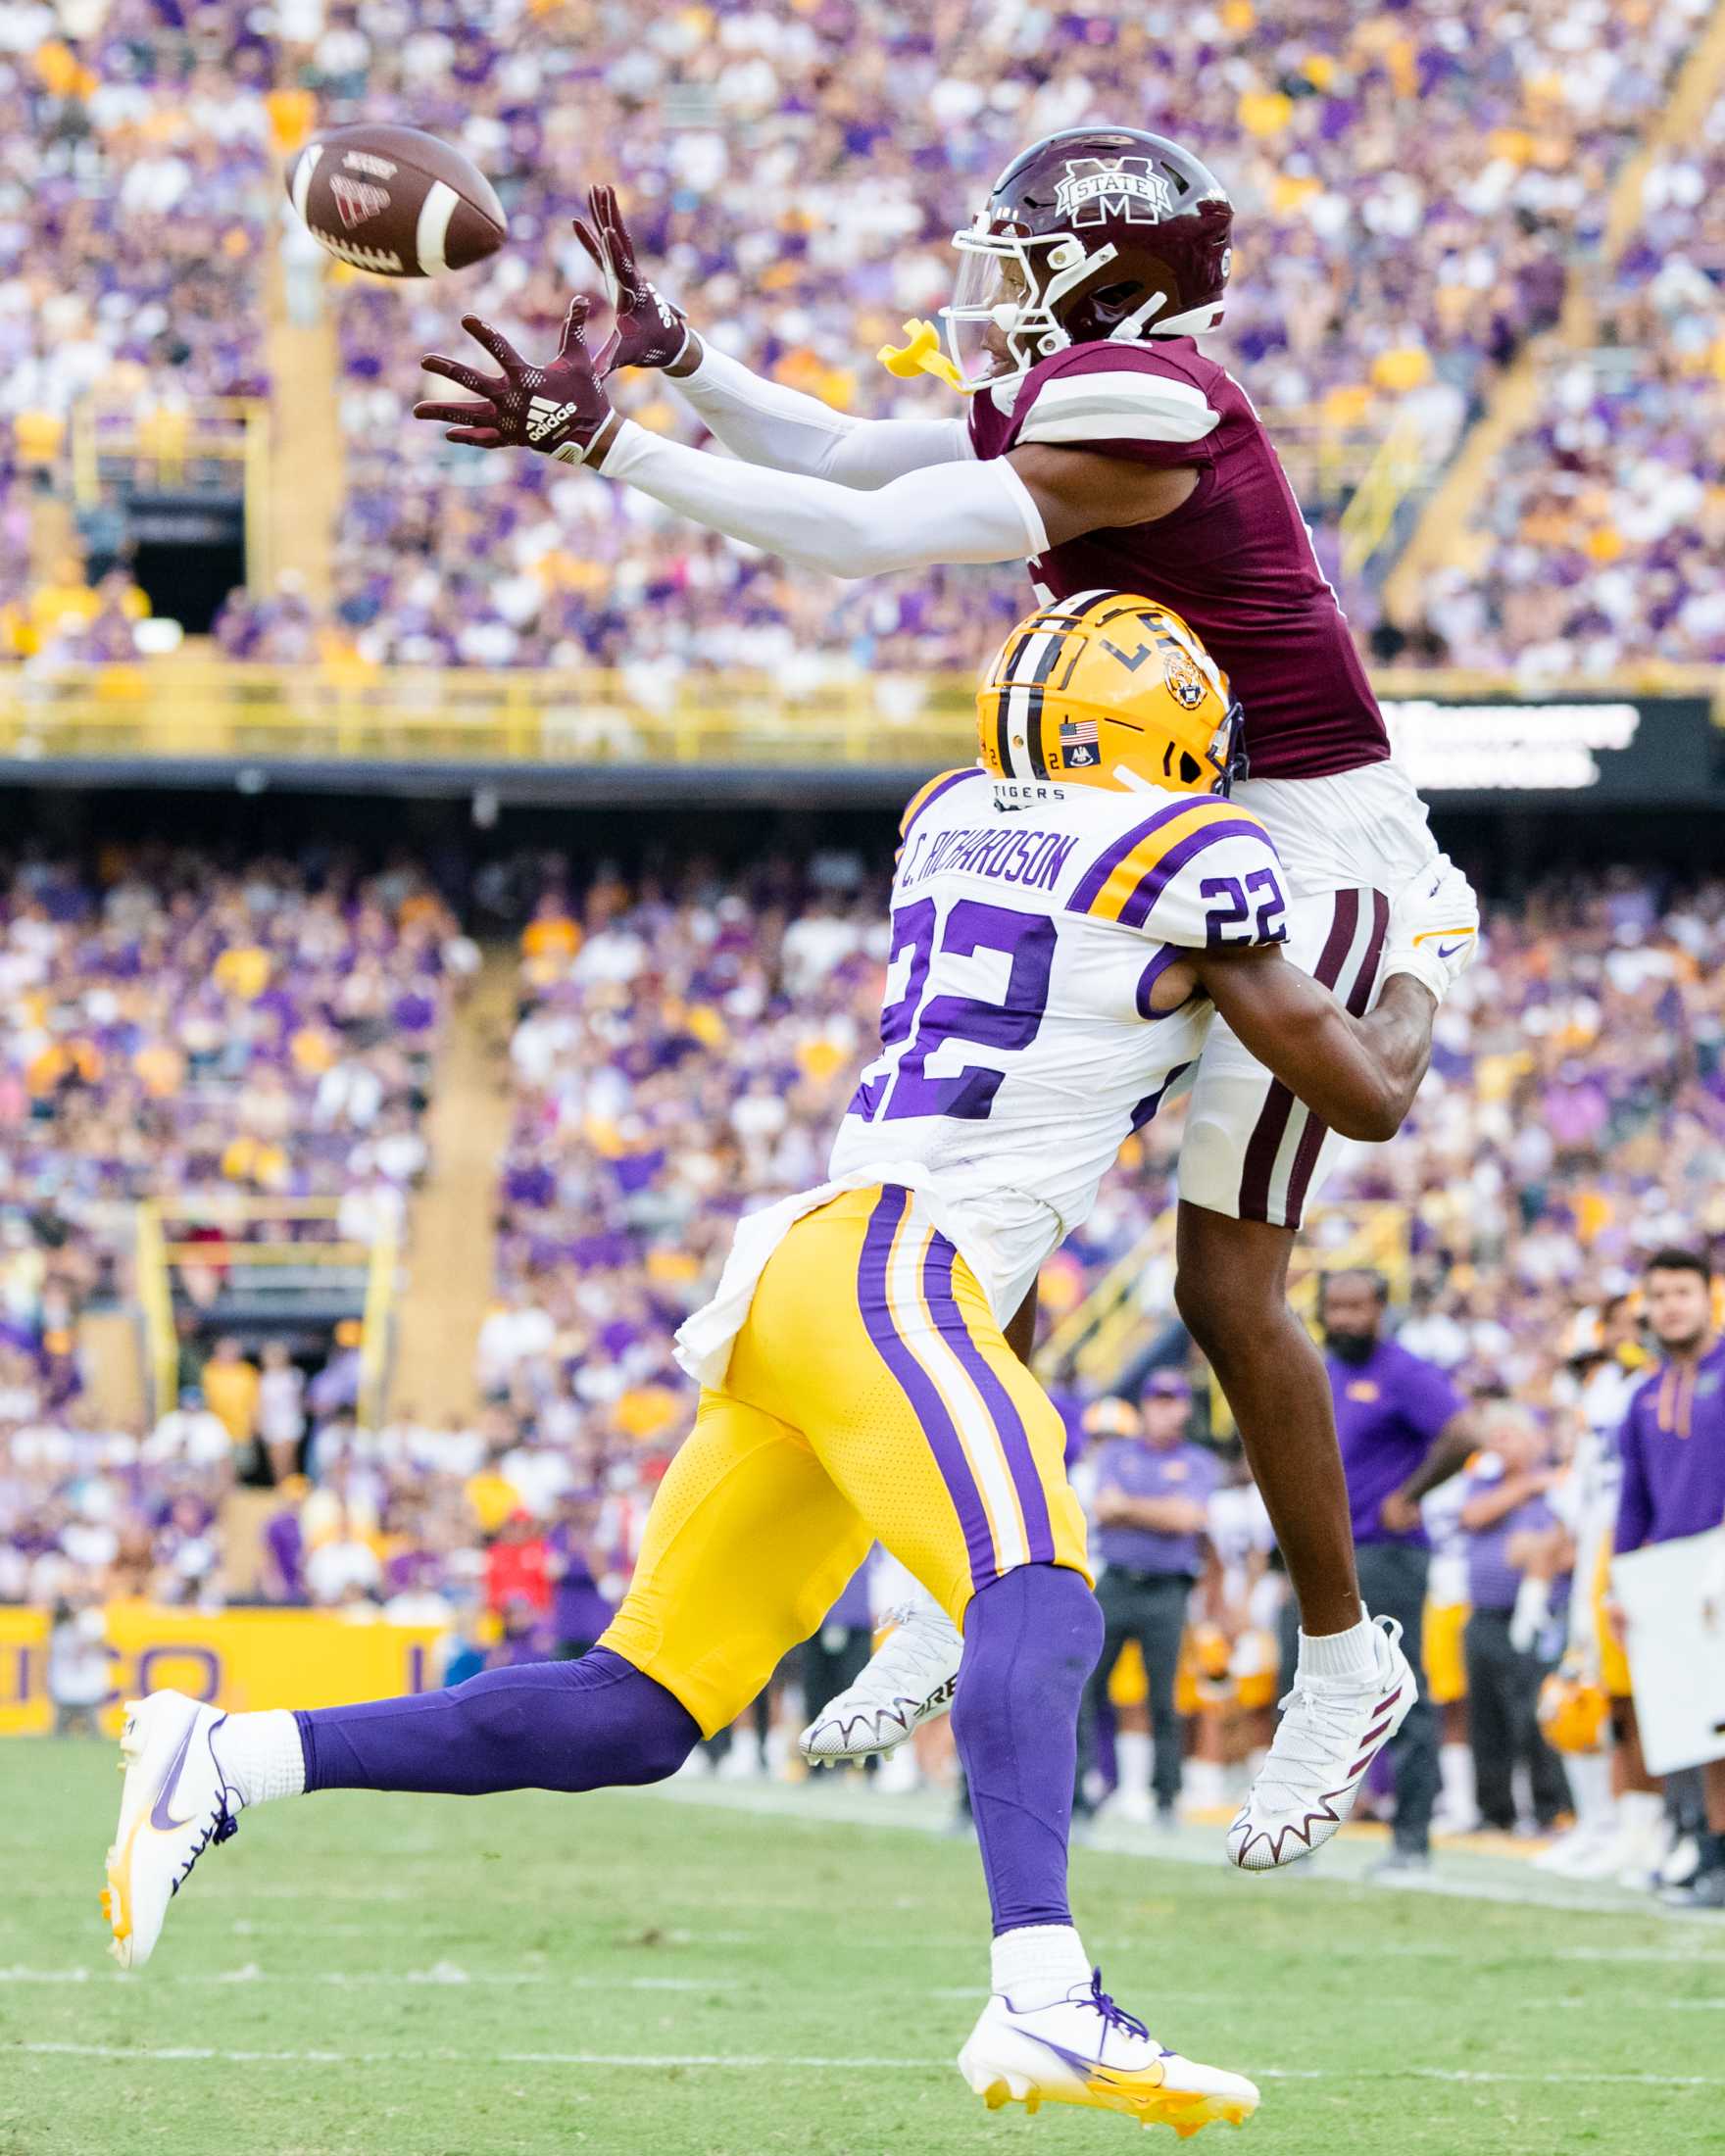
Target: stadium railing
<point x="192" y="707"/>
<point x="296" y="1272"/>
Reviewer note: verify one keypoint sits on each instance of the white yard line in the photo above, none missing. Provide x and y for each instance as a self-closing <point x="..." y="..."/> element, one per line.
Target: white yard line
<point x="1456" y="1874"/>
<point x="182" y="2054"/>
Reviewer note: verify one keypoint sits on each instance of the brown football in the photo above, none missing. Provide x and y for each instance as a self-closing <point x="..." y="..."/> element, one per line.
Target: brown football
<point x="395" y="201"/>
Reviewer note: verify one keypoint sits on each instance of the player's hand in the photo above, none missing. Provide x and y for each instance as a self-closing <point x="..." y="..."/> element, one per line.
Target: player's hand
<point x="651" y="330"/>
<point x="1434" y="927"/>
<point x="561" y="411"/>
<point x="1400" y="1515"/>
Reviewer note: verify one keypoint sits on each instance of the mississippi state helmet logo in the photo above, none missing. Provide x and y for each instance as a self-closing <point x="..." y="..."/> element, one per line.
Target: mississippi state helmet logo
<point x="1097" y="188"/>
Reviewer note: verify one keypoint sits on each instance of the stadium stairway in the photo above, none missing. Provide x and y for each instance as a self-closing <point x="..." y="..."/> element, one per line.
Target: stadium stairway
<point x="449" y="1261"/>
<point x="306" y="448"/>
<point x="1444" y="533"/>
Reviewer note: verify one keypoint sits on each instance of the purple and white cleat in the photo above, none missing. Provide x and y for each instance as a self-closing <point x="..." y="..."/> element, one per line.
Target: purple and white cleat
<point x="908" y="1681"/>
<point x="1332" y="1728"/>
<point x="177" y="1801"/>
<point x="1083" y="2049"/>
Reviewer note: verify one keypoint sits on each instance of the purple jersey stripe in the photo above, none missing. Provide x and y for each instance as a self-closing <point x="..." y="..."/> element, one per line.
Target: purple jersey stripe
<point x="1147" y="1108"/>
<point x="1266" y="1142"/>
<point x="940" y="786"/>
<point x="1148" y="979"/>
<point x="1359" y="994"/>
<point x="1084" y="898"/>
<point x="949" y="1319"/>
<point x="917" y="1386"/>
<point x="1150" y="887"/>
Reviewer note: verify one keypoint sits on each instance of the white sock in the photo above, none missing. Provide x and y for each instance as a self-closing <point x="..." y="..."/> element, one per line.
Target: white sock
<point x="1037" y="1964"/>
<point x="1353" y="1654"/>
<point x="1132" y="1757"/>
<point x="260" y="1755"/>
<point x="1455" y="1771"/>
<point x="1590" y="1784"/>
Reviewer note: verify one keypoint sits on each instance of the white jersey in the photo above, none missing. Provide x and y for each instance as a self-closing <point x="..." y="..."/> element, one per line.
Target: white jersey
<point x="1030" y="922"/>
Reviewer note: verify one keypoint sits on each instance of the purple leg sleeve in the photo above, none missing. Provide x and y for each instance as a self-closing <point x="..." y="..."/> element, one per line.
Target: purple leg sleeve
<point x="1031" y="1639"/>
<point x="594" y="1724"/>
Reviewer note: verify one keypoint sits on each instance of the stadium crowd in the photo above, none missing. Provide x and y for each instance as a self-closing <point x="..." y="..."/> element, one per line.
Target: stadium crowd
<point x="170" y="1024"/>
<point x="1602" y="541"/>
<point x="798" y="180"/>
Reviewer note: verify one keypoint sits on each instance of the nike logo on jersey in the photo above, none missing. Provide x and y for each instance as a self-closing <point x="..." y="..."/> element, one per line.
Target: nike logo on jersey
<point x="545" y="417"/>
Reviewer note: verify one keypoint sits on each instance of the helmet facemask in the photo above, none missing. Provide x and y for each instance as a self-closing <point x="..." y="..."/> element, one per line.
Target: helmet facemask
<point x="1013" y="282"/>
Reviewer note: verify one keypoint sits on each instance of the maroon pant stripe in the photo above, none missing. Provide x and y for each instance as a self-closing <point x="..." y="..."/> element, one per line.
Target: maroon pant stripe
<point x="1311" y="1138"/>
<point x="1272" y="1122"/>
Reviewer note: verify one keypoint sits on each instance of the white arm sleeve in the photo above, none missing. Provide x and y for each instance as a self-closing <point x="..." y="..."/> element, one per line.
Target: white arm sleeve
<point x="766" y="423"/>
<point x="976" y="512"/>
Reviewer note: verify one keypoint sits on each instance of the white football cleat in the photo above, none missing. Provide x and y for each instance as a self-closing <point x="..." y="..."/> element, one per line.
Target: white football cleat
<point x="1084" y="2050"/>
<point x="908" y="1681"/>
<point x="175" y="1802"/>
<point x="1332" y="1728"/>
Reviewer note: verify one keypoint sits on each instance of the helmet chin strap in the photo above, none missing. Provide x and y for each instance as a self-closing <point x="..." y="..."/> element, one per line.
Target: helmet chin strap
<point x="1129" y="329"/>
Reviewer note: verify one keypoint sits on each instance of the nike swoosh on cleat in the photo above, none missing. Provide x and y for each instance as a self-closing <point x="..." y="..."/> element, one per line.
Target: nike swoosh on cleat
<point x="160" y="1817"/>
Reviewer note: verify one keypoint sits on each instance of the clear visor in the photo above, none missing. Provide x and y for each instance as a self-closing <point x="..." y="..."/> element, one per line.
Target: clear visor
<point x="991" y="291"/>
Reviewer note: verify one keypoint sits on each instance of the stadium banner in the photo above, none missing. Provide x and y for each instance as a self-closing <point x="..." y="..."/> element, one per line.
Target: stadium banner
<point x="1646" y="751"/>
<point x="235" y="1658"/>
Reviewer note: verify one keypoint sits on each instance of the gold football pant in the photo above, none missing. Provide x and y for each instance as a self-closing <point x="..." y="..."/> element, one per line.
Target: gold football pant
<point x="870" y="1396"/>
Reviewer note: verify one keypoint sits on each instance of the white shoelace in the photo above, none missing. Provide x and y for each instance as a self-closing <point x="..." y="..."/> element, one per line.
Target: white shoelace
<point x="1319" y="1719"/>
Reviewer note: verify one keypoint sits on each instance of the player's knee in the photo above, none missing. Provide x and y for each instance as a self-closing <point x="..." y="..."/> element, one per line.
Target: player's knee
<point x="1208" y="1309"/>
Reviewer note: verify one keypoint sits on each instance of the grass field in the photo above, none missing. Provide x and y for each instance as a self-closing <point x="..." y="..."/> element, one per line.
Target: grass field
<point x="677" y="1976"/>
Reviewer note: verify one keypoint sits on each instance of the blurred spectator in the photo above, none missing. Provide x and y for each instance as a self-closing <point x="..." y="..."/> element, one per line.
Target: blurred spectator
<point x="232" y="1387"/>
<point x="1673" y="1448"/>
<point x="1403" y="1428"/>
<point x="1151" y="1490"/>
<point x="282" y="1414"/>
<point x="79" y="1681"/>
<point x="1503" y="1504"/>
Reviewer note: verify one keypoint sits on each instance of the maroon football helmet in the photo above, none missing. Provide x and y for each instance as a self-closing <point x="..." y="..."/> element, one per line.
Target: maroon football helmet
<point x="1093" y="232"/>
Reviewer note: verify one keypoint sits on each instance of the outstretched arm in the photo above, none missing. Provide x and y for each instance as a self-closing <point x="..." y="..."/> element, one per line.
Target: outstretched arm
<point x="976" y="511"/>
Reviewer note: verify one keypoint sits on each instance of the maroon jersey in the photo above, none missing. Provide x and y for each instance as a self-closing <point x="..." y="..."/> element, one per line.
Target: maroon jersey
<point x="1235" y="558"/>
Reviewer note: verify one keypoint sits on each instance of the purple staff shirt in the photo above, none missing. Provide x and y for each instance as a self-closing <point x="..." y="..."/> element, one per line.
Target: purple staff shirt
<point x="1673" y="1447"/>
<point x="1141" y="1470"/>
<point x="1493" y="1583"/>
<point x="1390" y="1409"/>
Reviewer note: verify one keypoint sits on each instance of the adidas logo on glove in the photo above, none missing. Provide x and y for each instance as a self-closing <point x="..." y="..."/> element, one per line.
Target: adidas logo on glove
<point x="545" y="417"/>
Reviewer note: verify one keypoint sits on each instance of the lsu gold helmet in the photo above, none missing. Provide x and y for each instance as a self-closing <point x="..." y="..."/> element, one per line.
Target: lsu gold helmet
<point x="1574" y="1710"/>
<point x="1108" y="688"/>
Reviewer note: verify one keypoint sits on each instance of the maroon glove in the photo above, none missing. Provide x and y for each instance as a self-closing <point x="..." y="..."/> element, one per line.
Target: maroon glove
<point x="650" y="332"/>
<point x="559" y="409"/>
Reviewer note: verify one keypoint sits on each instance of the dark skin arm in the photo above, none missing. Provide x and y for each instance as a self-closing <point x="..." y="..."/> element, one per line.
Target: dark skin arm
<point x="1456" y="1443"/>
<point x="1358" y="1075"/>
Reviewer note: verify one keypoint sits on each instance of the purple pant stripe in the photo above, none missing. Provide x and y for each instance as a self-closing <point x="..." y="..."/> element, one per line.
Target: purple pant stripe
<point x="917" y="1386"/>
<point x="943" y="1304"/>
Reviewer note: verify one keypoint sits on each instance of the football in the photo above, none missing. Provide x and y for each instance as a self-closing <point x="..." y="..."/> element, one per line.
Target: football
<point x="395" y="201"/>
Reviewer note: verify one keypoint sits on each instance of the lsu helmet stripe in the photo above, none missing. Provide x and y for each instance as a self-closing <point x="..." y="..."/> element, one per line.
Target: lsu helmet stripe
<point x="1137" y="907"/>
<point x="1040" y="662"/>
